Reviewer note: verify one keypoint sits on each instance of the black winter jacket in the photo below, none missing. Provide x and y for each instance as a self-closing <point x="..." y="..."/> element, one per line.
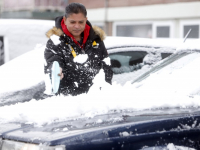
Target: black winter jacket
<point x="77" y="76"/>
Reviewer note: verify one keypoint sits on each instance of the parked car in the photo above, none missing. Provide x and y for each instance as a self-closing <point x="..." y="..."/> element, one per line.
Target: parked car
<point x="27" y="82"/>
<point x="174" y="125"/>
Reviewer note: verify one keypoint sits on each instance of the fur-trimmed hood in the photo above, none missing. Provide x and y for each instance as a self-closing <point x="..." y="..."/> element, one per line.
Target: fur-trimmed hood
<point x="57" y="31"/>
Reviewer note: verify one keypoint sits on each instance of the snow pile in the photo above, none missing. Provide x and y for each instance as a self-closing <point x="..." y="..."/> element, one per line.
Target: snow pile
<point x="177" y="85"/>
<point x="24" y="71"/>
<point x="152" y="58"/>
<point x="110" y="97"/>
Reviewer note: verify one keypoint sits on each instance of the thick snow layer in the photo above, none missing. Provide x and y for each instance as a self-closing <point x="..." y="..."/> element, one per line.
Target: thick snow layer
<point x="175" y="86"/>
<point x="24" y="71"/>
<point x="129" y="41"/>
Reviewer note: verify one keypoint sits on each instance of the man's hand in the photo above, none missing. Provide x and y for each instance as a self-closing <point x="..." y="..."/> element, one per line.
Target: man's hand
<point x="61" y="74"/>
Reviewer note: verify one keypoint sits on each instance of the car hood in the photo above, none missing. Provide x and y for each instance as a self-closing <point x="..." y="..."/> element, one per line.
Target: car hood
<point x="107" y="126"/>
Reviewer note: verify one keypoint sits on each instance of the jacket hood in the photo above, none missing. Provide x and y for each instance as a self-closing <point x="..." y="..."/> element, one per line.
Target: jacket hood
<point x="57" y="30"/>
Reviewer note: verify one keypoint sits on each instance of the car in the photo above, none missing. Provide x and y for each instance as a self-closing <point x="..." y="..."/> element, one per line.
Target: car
<point x="126" y="54"/>
<point x="160" y="112"/>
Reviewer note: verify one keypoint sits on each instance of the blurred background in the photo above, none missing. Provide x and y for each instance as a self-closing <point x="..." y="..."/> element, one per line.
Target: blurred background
<point x="130" y="18"/>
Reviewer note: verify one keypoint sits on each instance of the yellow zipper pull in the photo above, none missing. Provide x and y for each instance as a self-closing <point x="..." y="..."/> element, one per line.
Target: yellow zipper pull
<point x="72" y="50"/>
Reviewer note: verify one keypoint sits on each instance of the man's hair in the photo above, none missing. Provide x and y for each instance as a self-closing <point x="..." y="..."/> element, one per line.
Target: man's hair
<point x="75" y="8"/>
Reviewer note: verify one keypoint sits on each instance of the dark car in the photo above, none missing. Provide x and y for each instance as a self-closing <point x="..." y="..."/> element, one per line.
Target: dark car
<point x="172" y="122"/>
<point x="149" y="130"/>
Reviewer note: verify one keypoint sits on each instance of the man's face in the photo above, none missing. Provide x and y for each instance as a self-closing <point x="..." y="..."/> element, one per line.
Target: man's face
<point x="75" y="23"/>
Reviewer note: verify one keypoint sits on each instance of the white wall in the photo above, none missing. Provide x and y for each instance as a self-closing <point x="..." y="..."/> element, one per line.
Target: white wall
<point x="23" y="35"/>
<point x="172" y="14"/>
<point x="159" y="11"/>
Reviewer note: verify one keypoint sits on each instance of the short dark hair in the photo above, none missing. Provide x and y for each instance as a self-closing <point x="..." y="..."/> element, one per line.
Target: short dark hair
<point x="75" y="8"/>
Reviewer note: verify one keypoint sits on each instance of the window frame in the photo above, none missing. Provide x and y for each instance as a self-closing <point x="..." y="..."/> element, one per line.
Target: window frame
<point x="188" y="22"/>
<point x="171" y="25"/>
<point x="154" y="24"/>
<point x="6" y="48"/>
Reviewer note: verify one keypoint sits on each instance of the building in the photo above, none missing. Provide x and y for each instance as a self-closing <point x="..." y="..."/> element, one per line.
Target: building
<point x="32" y="9"/>
<point x="135" y="18"/>
<point x="145" y="18"/>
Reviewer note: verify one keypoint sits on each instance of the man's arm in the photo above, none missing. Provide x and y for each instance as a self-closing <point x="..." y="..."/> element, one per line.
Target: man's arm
<point x="52" y="54"/>
<point x="107" y="68"/>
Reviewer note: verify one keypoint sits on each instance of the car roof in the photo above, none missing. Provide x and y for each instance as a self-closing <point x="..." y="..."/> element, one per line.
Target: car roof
<point x="115" y="41"/>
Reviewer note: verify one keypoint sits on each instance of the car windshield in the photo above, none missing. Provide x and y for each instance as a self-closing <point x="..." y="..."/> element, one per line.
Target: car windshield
<point x="177" y="74"/>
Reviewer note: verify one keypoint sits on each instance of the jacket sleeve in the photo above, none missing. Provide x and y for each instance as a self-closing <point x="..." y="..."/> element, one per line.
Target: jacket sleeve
<point x="106" y="67"/>
<point x="52" y="54"/>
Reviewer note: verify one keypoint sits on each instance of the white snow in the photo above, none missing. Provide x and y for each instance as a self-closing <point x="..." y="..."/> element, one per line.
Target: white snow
<point x="107" y="61"/>
<point x="175" y="86"/>
<point x="171" y="146"/>
<point x="55" y="39"/>
<point x="124" y="133"/>
<point x="81" y="58"/>
<point x="130" y="41"/>
<point x="24" y="71"/>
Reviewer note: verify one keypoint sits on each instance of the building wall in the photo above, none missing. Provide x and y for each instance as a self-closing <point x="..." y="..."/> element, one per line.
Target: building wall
<point x="125" y="3"/>
<point x="33" y="9"/>
<point x="128" y="19"/>
<point x="21" y="5"/>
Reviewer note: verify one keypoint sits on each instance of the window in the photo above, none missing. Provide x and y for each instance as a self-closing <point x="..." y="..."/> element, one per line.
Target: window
<point x="194" y="33"/>
<point x="143" y="29"/>
<point x="186" y="25"/>
<point x="139" y="30"/>
<point x="163" y="32"/>
<point x="1" y="50"/>
<point x="126" y="61"/>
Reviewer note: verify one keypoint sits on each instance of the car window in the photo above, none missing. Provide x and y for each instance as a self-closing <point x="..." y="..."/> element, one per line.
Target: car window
<point x="126" y="61"/>
<point x="173" y="58"/>
<point x="129" y="61"/>
<point x="164" y="55"/>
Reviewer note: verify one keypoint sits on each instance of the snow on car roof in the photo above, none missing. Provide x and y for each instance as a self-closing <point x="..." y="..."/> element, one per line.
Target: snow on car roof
<point x="145" y="42"/>
<point x="164" y="45"/>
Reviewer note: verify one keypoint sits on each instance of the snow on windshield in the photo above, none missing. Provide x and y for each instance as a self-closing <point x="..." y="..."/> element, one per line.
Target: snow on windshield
<point x="175" y="86"/>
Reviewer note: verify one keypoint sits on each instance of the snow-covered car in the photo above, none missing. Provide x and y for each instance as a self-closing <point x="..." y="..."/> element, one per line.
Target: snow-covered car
<point x="22" y="79"/>
<point x="158" y="110"/>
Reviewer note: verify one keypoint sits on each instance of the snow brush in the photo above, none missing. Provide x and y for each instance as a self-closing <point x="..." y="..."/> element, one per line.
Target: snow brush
<point x="55" y="78"/>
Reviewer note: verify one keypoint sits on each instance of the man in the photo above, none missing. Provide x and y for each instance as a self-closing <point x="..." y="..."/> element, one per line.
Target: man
<point x="76" y="37"/>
